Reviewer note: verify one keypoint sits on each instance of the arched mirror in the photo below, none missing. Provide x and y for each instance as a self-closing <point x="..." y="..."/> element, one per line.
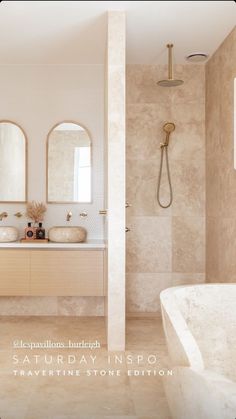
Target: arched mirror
<point x="13" y="163"/>
<point x="68" y="164"/>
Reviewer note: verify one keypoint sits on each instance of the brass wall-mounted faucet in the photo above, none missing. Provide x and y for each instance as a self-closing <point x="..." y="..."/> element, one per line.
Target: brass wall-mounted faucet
<point x="68" y="216"/>
<point x="3" y="215"/>
<point x="18" y="214"/>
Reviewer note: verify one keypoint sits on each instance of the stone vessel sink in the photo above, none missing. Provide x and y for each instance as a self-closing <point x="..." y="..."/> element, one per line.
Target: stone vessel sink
<point x="8" y="234"/>
<point x="66" y="234"/>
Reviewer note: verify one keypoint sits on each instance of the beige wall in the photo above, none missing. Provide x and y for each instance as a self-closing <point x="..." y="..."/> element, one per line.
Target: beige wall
<point x="220" y="173"/>
<point x="165" y="247"/>
<point x="37" y="98"/>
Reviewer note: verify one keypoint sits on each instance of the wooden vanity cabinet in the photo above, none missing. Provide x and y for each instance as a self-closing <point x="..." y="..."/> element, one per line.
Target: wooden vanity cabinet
<point x="45" y="272"/>
<point x="14" y="272"/>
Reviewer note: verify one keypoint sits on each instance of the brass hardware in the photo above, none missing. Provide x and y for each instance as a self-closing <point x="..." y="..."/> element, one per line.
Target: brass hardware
<point x="168" y="127"/>
<point x="170" y="82"/>
<point x="83" y="214"/>
<point x="127" y="205"/>
<point x="68" y="216"/>
<point x="18" y="214"/>
<point x="103" y="212"/>
<point x="170" y="66"/>
<point x="127" y="229"/>
<point x="3" y="215"/>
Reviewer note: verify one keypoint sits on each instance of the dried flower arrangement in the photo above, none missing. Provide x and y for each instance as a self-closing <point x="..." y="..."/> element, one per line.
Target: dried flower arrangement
<point x="35" y="211"/>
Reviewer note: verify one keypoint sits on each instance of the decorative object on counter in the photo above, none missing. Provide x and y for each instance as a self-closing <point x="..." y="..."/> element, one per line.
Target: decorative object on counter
<point x="40" y="232"/>
<point x="35" y="211"/>
<point x="30" y="232"/>
<point x="63" y="234"/>
<point x="18" y="214"/>
<point x="3" y="215"/>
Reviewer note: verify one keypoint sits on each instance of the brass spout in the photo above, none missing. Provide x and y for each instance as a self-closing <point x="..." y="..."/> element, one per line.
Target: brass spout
<point x="3" y="215"/>
<point x="68" y="216"/>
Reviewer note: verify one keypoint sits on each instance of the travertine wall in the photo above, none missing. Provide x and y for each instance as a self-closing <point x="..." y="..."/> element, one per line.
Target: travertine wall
<point x="115" y="180"/>
<point x="220" y="173"/>
<point x="165" y="247"/>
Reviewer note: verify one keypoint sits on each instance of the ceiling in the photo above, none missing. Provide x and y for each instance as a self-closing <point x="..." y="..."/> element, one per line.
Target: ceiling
<point x="74" y="32"/>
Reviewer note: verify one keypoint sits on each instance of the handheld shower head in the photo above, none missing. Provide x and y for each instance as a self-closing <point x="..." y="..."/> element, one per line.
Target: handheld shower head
<point x="169" y="127"/>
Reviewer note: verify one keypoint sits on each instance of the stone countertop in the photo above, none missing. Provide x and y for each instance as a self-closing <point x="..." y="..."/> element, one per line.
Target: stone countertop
<point x="89" y="244"/>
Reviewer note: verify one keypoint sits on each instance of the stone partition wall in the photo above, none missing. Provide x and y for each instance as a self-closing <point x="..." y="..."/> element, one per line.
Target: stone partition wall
<point x="115" y="180"/>
<point x="165" y="247"/>
<point x="220" y="172"/>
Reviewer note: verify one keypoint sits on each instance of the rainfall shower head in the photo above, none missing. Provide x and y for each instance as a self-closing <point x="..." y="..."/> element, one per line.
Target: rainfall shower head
<point x="170" y="82"/>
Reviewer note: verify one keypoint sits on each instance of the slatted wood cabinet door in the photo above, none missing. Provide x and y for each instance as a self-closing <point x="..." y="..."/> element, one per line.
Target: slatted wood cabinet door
<point x="71" y="273"/>
<point x="52" y="272"/>
<point x="14" y="272"/>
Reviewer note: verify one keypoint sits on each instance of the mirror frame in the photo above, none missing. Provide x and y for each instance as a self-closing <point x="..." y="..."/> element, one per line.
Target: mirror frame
<point x="91" y="160"/>
<point x="26" y="162"/>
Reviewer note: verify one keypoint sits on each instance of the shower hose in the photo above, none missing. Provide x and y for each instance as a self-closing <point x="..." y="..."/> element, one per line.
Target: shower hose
<point x="164" y="150"/>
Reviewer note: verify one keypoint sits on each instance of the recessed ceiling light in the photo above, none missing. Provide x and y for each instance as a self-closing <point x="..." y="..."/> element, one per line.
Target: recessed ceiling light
<point x="197" y="57"/>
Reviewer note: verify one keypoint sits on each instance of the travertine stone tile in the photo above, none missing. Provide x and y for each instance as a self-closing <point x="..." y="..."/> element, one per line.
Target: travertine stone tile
<point x="188" y="244"/>
<point x="187" y="142"/>
<point x="147" y="330"/>
<point x="141" y="190"/>
<point x="149" y="245"/>
<point x="141" y="82"/>
<point x="180" y="278"/>
<point x="144" y="128"/>
<point x="212" y="250"/>
<point x="93" y="398"/>
<point x="143" y="291"/>
<point x="80" y="306"/>
<point x="188" y="181"/>
<point x="226" y="231"/>
<point x="194" y="84"/>
<point x="220" y="173"/>
<point x="27" y="306"/>
<point x="148" y="107"/>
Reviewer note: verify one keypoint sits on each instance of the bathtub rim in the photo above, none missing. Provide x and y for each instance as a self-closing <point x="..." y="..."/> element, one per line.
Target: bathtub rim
<point x="169" y="307"/>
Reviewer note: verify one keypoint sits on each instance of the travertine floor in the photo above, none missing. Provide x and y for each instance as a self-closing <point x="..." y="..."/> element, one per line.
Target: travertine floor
<point x="87" y="396"/>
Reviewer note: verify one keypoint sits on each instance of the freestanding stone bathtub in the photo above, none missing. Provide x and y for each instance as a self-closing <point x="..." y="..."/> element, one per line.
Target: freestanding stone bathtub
<point x="200" y="329"/>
